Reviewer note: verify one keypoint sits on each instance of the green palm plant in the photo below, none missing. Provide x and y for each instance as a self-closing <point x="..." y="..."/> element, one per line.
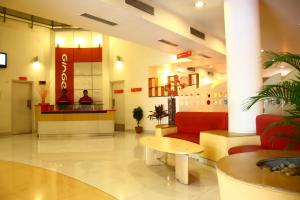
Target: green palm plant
<point x="287" y="92"/>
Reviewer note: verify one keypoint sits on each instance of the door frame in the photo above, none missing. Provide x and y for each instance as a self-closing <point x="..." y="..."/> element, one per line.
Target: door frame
<point x="12" y="105"/>
<point x="111" y="91"/>
<point x="111" y="98"/>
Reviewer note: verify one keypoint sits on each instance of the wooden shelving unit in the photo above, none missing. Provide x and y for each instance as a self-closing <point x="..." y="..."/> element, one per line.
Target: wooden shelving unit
<point x="153" y="87"/>
<point x="161" y="91"/>
<point x="173" y="82"/>
<point x="194" y="80"/>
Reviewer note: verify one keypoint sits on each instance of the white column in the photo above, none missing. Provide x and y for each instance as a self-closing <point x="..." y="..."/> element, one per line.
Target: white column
<point x="243" y="62"/>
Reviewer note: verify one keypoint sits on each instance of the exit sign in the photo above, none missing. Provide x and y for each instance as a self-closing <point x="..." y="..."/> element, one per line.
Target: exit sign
<point x="184" y="54"/>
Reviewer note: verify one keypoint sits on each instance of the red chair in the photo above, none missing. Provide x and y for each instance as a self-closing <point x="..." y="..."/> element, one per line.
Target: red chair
<point x="270" y="139"/>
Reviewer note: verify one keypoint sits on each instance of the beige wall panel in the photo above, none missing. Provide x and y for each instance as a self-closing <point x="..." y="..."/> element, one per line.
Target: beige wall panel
<point x="82" y="68"/>
<point x="82" y="82"/>
<point x="22" y="44"/>
<point x="97" y="95"/>
<point x="97" y="68"/>
<point x="97" y="82"/>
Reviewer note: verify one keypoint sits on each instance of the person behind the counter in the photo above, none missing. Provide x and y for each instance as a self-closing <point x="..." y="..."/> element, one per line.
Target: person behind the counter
<point x="63" y="101"/>
<point x="85" y="100"/>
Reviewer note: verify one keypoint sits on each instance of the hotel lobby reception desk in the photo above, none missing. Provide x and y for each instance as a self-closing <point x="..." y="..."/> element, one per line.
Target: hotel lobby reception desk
<point x="74" y="122"/>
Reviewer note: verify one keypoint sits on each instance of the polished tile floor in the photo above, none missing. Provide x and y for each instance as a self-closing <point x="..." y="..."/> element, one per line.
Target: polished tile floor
<point x="27" y="182"/>
<point x="112" y="164"/>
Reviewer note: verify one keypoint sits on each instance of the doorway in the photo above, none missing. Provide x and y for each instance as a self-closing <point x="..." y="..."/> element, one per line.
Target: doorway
<point x="118" y="104"/>
<point x="21" y="107"/>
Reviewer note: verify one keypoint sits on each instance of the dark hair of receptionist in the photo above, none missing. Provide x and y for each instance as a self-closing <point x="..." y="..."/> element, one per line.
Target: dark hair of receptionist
<point x="85" y="90"/>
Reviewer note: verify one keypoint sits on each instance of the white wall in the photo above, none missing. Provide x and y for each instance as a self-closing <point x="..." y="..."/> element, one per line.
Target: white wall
<point x="21" y="44"/>
<point x="274" y="107"/>
<point x="193" y="99"/>
<point x="136" y="62"/>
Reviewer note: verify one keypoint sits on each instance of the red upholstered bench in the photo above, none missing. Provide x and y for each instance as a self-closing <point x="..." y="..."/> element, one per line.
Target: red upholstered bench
<point x="268" y="138"/>
<point x="189" y="124"/>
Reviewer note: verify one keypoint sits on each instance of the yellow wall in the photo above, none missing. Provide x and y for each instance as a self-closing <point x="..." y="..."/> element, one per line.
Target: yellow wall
<point x="136" y="61"/>
<point x="22" y="44"/>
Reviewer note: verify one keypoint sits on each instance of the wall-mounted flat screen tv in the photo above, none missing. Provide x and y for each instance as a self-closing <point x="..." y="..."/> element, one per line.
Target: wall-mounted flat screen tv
<point x="3" y="60"/>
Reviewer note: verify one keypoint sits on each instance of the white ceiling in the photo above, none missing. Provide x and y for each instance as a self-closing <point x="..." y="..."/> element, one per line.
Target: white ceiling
<point x="279" y="20"/>
<point x="210" y="17"/>
<point x="280" y="30"/>
<point x="279" y="23"/>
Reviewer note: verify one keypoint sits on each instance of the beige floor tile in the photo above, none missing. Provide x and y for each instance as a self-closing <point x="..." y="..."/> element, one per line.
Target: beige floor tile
<point x="112" y="164"/>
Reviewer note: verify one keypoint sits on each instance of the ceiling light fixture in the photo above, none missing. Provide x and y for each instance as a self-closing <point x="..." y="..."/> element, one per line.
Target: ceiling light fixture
<point x="199" y="4"/>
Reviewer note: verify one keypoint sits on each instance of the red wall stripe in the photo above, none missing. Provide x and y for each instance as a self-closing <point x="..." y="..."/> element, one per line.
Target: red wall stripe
<point x="136" y="89"/>
<point x="118" y="91"/>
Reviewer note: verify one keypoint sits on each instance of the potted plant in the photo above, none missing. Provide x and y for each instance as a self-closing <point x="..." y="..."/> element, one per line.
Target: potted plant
<point x="158" y="113"/>
<point x="287" y="92"/>
<point x="138" y="116"/>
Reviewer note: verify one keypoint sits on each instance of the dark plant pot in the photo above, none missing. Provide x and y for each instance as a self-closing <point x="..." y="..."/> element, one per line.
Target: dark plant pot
<point x="138" y="129"/>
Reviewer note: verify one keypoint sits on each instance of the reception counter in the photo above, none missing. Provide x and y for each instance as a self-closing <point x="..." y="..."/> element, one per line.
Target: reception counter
<point x="74" y="122"/>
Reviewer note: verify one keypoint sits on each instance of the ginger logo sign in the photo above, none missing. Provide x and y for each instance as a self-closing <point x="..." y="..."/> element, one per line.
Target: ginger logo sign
<point x="64" y="71"/>
<point x="64" y="76"/>
<point x="64" y="67"/>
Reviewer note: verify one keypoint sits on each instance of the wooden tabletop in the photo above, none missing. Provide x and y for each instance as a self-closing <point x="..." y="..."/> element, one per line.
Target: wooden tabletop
<point x="242" y="166"/>
<point x="171" y="145"/>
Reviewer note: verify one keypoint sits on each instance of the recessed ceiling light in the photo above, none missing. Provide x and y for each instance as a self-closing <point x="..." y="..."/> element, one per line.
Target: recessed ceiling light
<point x="262" y="50"/>
<point x="282" y="66"/>
<point x="199" y="4"/>
<point x="210" y="66"/>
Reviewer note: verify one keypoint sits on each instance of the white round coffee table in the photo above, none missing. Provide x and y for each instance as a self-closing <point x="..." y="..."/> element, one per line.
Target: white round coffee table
<point x="181" y="149"/>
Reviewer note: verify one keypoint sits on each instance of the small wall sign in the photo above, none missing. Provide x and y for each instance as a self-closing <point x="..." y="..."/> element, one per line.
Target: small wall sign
<point x="136" y="89"/>
<point x="22" y="78"/>
<point x="118" y="91"/>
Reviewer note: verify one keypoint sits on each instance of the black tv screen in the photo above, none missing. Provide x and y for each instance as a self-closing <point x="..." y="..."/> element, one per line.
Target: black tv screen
<point x="3" y="60"/>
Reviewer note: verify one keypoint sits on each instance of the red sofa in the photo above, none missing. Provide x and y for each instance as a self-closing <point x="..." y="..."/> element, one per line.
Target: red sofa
<point x="189" y="124"/>
<point x="269" y="140"/>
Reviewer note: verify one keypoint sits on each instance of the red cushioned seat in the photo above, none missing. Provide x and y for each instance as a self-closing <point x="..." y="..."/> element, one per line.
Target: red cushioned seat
<point x="189" y="137"/>
<point x="245" y="148"/>
<point x="190" y="124"/>
<point x="270" y="136"/>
